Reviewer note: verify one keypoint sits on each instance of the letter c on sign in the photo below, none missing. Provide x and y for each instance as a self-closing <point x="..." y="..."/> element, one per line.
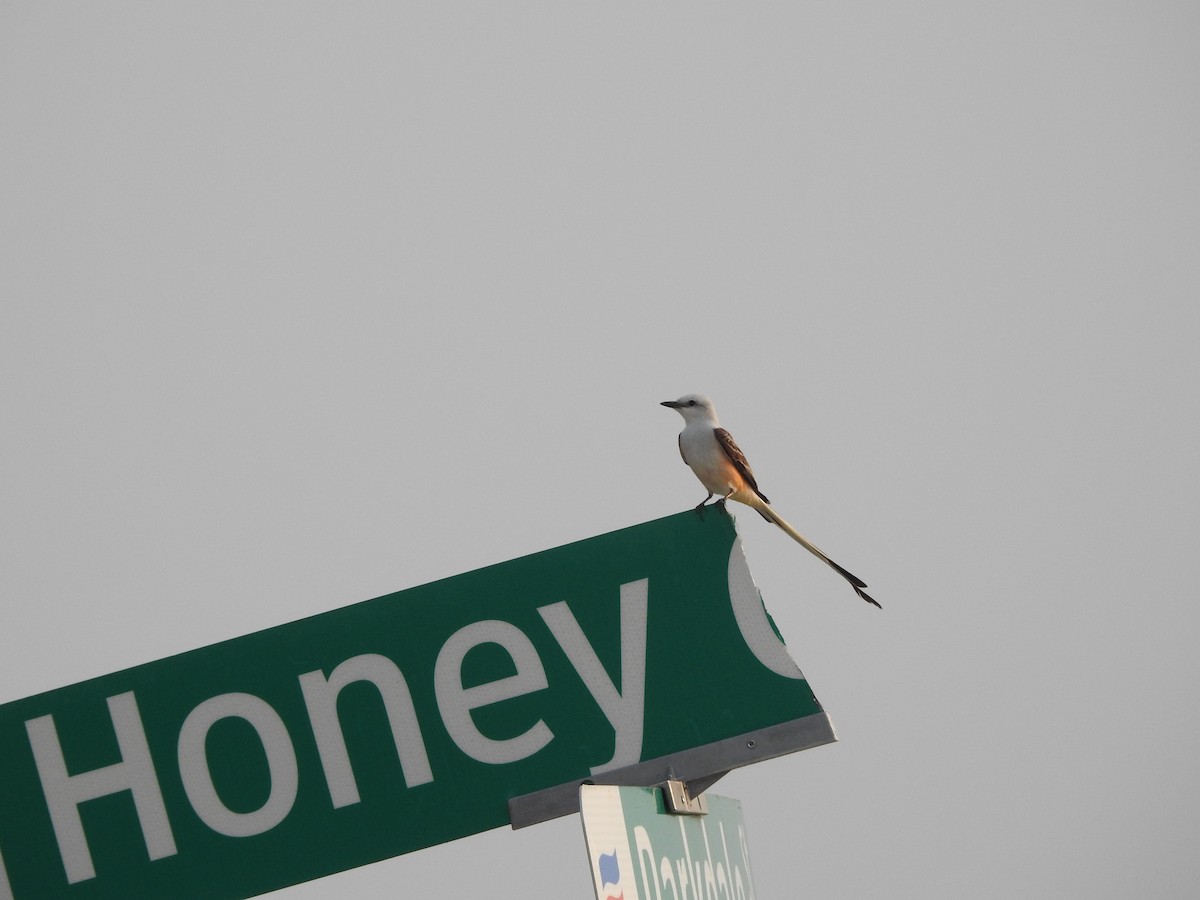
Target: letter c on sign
<point x="752" y="621"/>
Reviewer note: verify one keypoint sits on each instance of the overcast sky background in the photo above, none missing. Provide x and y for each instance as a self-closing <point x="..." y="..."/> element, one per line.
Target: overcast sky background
<point x="303" y="304"/>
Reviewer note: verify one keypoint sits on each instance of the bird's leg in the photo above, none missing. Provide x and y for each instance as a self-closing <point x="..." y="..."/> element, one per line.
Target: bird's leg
<point x="721" y="502"/>
<point x="700" y="506"/>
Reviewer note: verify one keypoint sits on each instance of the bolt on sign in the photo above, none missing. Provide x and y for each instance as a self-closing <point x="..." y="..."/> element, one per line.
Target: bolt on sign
<point x="398" y="723"/>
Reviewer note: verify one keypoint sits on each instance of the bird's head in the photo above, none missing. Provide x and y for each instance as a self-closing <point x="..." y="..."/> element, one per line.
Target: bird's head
<point x="693" y="407"/>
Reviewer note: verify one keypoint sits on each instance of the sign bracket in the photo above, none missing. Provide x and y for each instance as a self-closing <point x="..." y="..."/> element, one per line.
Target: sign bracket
<point x="700" y="767"/>
<point x="679" y="801"/>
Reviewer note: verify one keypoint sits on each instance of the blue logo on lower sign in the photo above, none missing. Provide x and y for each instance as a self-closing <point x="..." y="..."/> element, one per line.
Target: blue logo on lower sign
<point x="610" y="875"/>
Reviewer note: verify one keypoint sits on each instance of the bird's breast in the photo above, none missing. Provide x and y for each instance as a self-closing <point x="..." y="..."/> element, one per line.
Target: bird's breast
<point x="704" y="455"/>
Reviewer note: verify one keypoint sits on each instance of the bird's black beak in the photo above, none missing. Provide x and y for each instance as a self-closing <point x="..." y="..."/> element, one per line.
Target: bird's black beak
<point x="673" y="404"/>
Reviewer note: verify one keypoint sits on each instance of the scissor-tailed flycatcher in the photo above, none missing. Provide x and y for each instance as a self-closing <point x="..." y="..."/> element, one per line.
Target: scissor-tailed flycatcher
<point x="722" y="468"/>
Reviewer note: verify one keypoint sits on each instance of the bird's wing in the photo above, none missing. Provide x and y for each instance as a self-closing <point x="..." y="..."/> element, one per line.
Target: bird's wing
<point x="738" y="458"/>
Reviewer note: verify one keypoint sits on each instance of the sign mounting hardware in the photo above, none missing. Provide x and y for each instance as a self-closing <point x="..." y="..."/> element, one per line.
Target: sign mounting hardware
<point x="680" y="802"/>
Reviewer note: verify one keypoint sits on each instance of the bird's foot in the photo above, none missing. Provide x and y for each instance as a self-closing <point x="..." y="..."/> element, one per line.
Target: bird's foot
<point x="705" y="505"/>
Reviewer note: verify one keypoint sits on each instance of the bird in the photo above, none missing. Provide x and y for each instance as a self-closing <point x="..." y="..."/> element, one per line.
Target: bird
<point x="715" y="458"/>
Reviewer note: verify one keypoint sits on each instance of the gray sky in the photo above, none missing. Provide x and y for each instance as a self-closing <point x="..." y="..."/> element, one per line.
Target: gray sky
<point x="303" y="304"/>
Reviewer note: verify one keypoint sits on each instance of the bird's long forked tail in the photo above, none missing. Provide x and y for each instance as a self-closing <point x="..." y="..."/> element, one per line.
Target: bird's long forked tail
<point x="855" y="582"/>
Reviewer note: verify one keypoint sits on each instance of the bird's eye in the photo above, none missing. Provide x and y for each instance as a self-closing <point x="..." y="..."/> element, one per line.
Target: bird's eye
<point x="691" y="403"/>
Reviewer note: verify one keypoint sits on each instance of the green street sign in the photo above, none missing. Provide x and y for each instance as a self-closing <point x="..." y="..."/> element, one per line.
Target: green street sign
<point x="640" y="850"/>
<point x="398" y="723"/>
